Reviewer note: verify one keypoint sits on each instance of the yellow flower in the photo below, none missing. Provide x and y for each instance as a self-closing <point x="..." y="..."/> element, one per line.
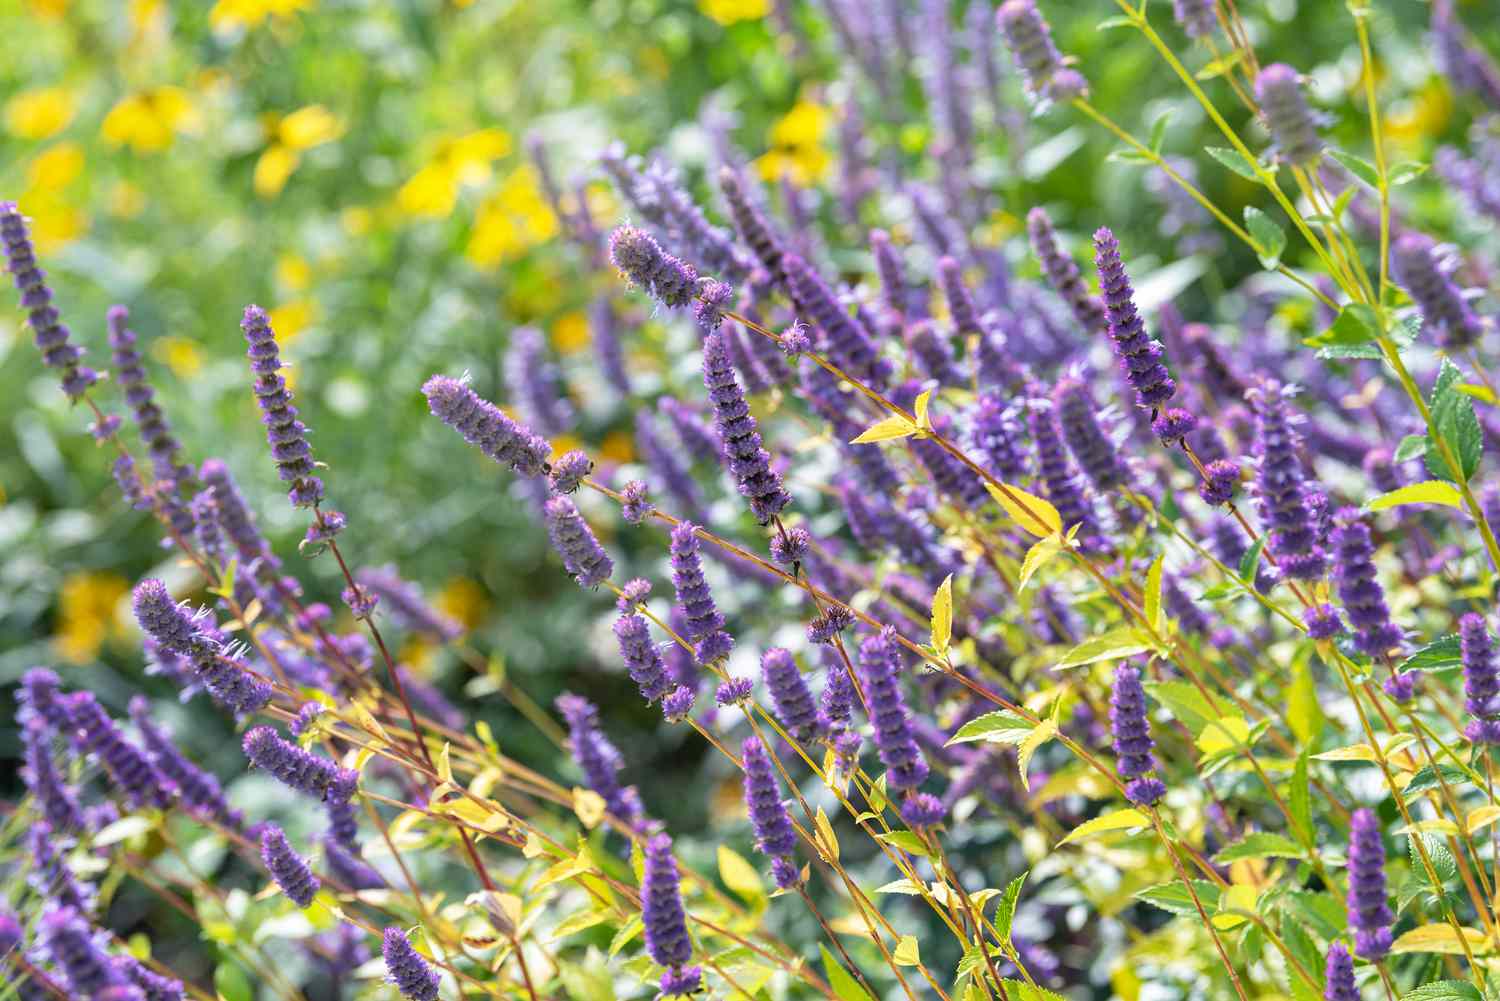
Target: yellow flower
<point x="291" y="318"/>
<point x="570" y="333"/>
<point x="149" y="121"/>
<point x="228" y="15"/>
<point x="797" y="145"/>
<point x="181" y="355"/>
<point x="456" y="163"/>
<point x="87" y="614"/>
<point x="513" y="219"/>
<point x="564" y="443"/>
<point x="273" y="168"/>
<point x="293" y="271"/>
<point x="617" y="446"/>
<point x="1413" y="122"/>
<point x="307" y="127"/>
<point x="57" y="167"/>
<point x="418" y="656"/>
<point x="39" y="114"/>
<point x="730" y="11"/>
<point x="51" y="10"/>
<point x="463" y="600"/>
<point x="55" y="222"/>
<point x="357" y="220"/>
<point x="126" y="201"/>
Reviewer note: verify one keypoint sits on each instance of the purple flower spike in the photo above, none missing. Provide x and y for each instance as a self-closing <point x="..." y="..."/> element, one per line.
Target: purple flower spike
<point x="1196" y="17"/>
<point x="298" y="769"/>
<point x="1037" y="59"/>
<point x="790" y="547"/>
<point x="1060" y="481"/>
<point x="1140" y="356"/>
<point x="893" y="283"/>
<point x="180" y="633"/>
<point x="1283" y="489"/>
<point x="1442" y="305"/>
<point x="794" y="702"/>
<point x="597" y="758"/>
<point x="66" y="938"/>
<point x="923" y="810"/>
<point x="677" y="703"/>
<point x="1323" y="622"/>
<point x="1173" y="425"/>
<point x="1481" y="679"/>
<point x="774" y="835"/>
<point x="1220" y="478"/>
<point x="58" y="801"/>
<point x="199" y="790"/>
<point x="534" y="382"/>
<point x="661" y="906"/>
<point x="567" y="473"/>
<point x="287" y="435"/>
<point x="1078" y="420"/>
<point x="1338" y="974"/>
<point x="705" y="624"/>
<point x="794" y="340"/>
<point x="960" y="303"/>
<point x="843" y="337"/>
<point x="999" y="435"/>
<point x="709" y="309"/>
<point x="345" y="866"/>
<point x="834" y="620"/>
<point x="1133" y="743"/>
<point x="413" y="977"/>
<point x="1358" y="588"/>
<point x="733" y="692"/>
<point x="142" y="783"/>
<point x="1063" y="274"/>
<point x="574" y="541"/>
<point x="641" y="657"/>
<point x="1369" y="915"/>
<point x="287" y="867"/>
<point x="880" y="675"/>
<point x="635" y="506"/>
<point x="130" y="373"/>
<point x="483" y="425"/>
<point x="660" y="275"/>
<point x="50" y="334"/>
<point x="748" y="462"/>
<point x="1294" y="126"/>
<point x="129" y="482"/>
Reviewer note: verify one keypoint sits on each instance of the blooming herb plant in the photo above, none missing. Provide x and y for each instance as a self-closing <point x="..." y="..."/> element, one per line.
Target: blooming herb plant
<point x="1101" y="652"/>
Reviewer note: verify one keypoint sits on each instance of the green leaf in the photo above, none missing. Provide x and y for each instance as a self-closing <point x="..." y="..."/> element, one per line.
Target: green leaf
<point x="231" y="983"/>
<point x="1218" y="67"/>
<point x="1444" y="990"/>
<point x="1260" y="844"/>
<point x="1302" y="712"/>
<point x="1250" y="560"/>
<point x="1306" y="951"/>
<point x="904" y="840"/>
<point x="999" y="727"/>
<point x="1116" y="820"/>
<point x="1038" y="556"/>
<point x="907" y="952"/>
<point x="1270" y="239"/>
<point x="740" y="876"/>
<point x="1428" y="492"/>
<point x="1299" y="798"/>
<point x="629" y="930"/>
<point x="1159" y="131"/>
<point x="1441" y="654"/>
<point x="1044" y="732"/>
<point x="1358" y="166"/>
<point x="1174" y="898"/>
<point x="1412" y="446"/>
<point x="1356" y="324"/>
<point x="1234" y="161"/>
<point x="845" y="987"/>
<point x="1153" y="608"/>
<point x="1426" y="779"/>
<point x="1005" y="910"/>
<point x="1454" y="422"/>
<point x="1189" y="705"/>
<point x="1122" y="642"/>
<point x="1405" y="173"/>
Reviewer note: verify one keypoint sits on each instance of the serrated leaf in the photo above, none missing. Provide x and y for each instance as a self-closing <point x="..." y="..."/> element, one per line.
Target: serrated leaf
<point x="1119" y="643"/>
<point x="1115" y="820"/>
<point x="1444" y="990"/>
<point x="1355" y="325"/>
<point x="1251" y="560"/>
<point x="1481" y="817"/>
<point x="1040" y="553"/>
<point x="1442" y="939"/>
<point x="1035" y="739"/>
<point x="1260" y="844"/>
<point x="1191" y="708"/>
<point x="1153" y="608"/>
<point x="1270" y="238"/>
<point x="578" y="922"/>
<point x="1032" y="513"/>
<point x="1425" y="779"/>
<point x="942" y="616"/>
<point x="845" y="987"/>
<point x="1453" y="420"/>
<point x="1428" y="492"/>
<point x="1442" y="654"/>
<point x="1005" y="910"/>
<point x="894" y="426"/>
<point x="739" y="875"/>
<point x="1413" y="446"/>
<point x="1174" y="898"/>
<point x="629" y="930"/>
<point x="999" y="727"/>
<point x="1358" y="166"/>
<point x="1234" y="161"/>
<point x="1238" y="897"/>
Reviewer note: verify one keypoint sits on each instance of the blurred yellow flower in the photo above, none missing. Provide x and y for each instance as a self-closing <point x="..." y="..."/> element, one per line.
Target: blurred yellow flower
<point x="730" y="11"/>
<point x="617" y="446"/>
<point x="464" y="600"/>
<point x="148" y="121"/>
<point x="513" y="219"/>
<point x="182" y="356"/>
<point x="291" y="318"/>
<point x="39" y="114"/>
<point x="55" y="221"/>
<point x="86" y="614"/>
<point x="293" y="271"/>
<point x="1425" y="114"/>
<point x="228" y="15"/>
<point x="56" y="167"/>
<point x="303" y="129"/>
<point x="797" y="145"/>
<point x="357" y="220"/>
<point x="418" y="656"/>
<point x="565" y="443"/>
<point x="50" y="9"/>
<point x="570" y="333"/>
<point x="456" y="163"/>
<point x="126" y="200"/>
<point x="273" y="168"/>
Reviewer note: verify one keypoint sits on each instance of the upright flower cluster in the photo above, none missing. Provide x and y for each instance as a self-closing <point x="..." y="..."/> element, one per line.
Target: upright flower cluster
<point x="178" y="632"/>
<point x="140" y="396"/>
<point x="774" y="835"/>
<point x="534" y="383"/>
<point x="999" y="438"/>
<point x="1037" y="60"/>
<point x="843" y="337"/>
<point x="574" y="541"/>
<point x="48" y="330"/>
<point x="703" y="621"/>
<point x="754" y="229"/>
<point x="1282" y="487"/>
<point x="405" y="967"/>
<point x="1481" y="679"/>
<point x="641" y="657"/>
<point x="664" y="921"/>
<point x="142" y="783"/>
<point x="598" y="759"/>
<point x="1133" y="743"/>
<point x="67" y="939"/>
<point x="1294" y="126"/>
<point x="484" y="426"/>
<point x="298" y="769"/>
<point x="199" y="790"/>
<point x="1196" y="17"/>
<point x="1140" y="356"/>
<point x="1442" y="305"/>
<point x="895" y="741"/>
<point x="287" y="867"/>
<point x="641" y="260"/>
<point x="57" y="799"/>
<point x="1338" y="975"/>
<point x="1078" y="419"/>
<point x="1359" y="590"/>
<point x="794" y="701"/>
<point x="1369" y="915"/>
<point x="1059" y="480"/>
<point x="285" y="432"/>
<point x="748" y="462"/>
<point x="1063" y="274"/>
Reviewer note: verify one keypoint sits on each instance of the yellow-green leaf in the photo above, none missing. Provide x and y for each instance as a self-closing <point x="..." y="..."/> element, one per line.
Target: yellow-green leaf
<point x="445" y="764"/>
<point x="1035" y="739"/>
<point x="894" y="426"/>
<point x="1027" y="510"/>
<point x="1430" y="492"/>
<point x="1153" y="595"/>
<point x="1040" y="553"/>
<point x="1224" y="734"/>
<point x="1117" y="820"/>
<point x="907" y="953"/>
<point x="919" y="410"/>
<point x="1237" y="898"/>
<point x="942" y="615"/>
<point x="739" y="875"/>
<point x="1303" y="714"/>
<point x="1354" y="752"/>
<point x="1481" y="817"/>
<point x="1440" y="938"/>
<point x="1113" y="645"/>
<point x="828" y="842"/>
